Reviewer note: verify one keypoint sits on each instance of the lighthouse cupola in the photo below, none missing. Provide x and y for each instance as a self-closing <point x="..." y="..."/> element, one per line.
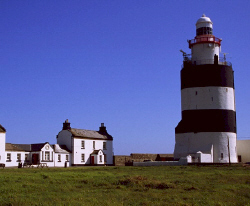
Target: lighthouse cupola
<point x="204" y="26"/>
<point x="205" y="46"/>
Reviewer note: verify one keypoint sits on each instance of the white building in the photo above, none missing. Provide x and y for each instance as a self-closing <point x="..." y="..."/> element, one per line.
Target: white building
<point x="2" y="143"/>
<point x="87" y="147"/>
<point x="36" y="154"/>
<point x="243" y="150"/>
<point x="207" y="130"/>
<point x="75" y="147"/>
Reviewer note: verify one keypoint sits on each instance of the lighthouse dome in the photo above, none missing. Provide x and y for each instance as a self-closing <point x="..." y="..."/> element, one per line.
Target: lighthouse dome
<point x="204" y="26"/>
<point x="204" y="21"/>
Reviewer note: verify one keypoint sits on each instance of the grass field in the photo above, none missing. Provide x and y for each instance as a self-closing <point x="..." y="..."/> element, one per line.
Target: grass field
<point x="180" y="185"/>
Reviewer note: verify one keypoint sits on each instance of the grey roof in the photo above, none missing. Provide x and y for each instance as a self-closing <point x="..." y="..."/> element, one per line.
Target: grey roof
<point x="13" y="147"/>
<point x="60" y="149"/>
<point x="83" y="133"/>
<point x="2" y="129"/>
<point x="37" y="147"/>
<point x="96" y="151"/>
<point x="25" y="147"/>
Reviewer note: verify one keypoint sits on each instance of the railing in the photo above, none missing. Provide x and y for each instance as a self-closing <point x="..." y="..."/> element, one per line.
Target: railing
<point x="222" y="61"/>
<point x="204" y="39"/>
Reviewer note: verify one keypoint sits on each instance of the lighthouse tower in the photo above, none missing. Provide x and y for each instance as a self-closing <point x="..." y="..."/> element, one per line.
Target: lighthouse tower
<point x="207" y="130"/>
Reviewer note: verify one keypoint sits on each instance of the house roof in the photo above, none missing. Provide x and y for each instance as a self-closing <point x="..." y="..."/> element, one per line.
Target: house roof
<point x="24" y="147"/>
<point x="13" y="147"/>
<point x="91" y="134"/>
<point x="96" y="151"/>
<point x="37" y="147"/>
<point x="2" y="129"/>
<point x="60" y="148"/>
<point x="34" y="147"/>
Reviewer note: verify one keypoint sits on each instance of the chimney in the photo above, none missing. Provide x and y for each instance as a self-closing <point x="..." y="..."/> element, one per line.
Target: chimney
<point x="102" y="129"/>
<point x="66" y="125"/>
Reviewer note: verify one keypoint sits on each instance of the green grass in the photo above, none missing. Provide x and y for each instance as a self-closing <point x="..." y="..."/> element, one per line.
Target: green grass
<point x="180" y="185"/>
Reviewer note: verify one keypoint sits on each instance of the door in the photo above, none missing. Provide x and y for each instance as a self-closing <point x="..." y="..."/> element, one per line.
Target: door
<point x="35" y="158"/>
<point x="92" y="160"/>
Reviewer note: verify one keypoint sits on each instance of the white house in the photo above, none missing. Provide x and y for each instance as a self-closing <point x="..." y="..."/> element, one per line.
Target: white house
<point x="35" y="154"/>
<point x="74" y="147"/>
<point x="87" y="147"/>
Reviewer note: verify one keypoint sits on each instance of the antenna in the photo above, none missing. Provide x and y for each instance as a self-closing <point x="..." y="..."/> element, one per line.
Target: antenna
<point x="225" y="56"/>
<point x="183" y="53"/>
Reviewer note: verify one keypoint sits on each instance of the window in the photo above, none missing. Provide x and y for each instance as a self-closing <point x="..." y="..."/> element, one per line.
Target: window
<point x="196" y="93"/>
<point x="104" y="145"/>
<point x="221" y="156"/>
<point x="26" y="157"/>
<point x="105" y="158"/>
<point x="83" y="158"/>
<point x="100" y="158"/>
<point x="59" y="158"/>
<point x="47" y="156"/>
<point x="18" y="157"/>
<point x="8" y="157"/>
<point x="204" y="30"/>
<point x="83" y="144"/>
<point x="67" y="158"/>
<point x="93" y="144"/>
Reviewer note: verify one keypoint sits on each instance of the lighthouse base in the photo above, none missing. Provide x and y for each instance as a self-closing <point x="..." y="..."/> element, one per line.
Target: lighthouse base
<point x="206" y="147"/>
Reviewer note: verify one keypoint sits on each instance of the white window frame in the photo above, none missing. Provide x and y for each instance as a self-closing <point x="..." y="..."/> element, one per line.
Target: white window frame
<point x="8" y="157"/>
<point x="104" y="145"/>
<point x="83" y="144"/>
<point x="47" y="156"/>
<point x="59" y="158"/>
<point x="26" y="157"/>
<point x="100" y="158"/>
<point x="18" y="157"/>
<point x="82" y="157"/>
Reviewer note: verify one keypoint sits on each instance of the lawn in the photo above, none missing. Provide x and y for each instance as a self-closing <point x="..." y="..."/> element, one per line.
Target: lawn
<point x="166" y="185"/>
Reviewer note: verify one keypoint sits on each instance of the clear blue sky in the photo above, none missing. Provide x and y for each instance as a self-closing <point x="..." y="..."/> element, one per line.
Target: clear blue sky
<point x="116" y="62"/>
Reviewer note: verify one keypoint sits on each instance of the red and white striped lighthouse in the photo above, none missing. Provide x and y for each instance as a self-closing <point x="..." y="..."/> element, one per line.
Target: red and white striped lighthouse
<point x="207" y="130"/>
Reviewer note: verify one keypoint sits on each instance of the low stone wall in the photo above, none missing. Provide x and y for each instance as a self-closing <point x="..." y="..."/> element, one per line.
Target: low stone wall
<point x="182" y="161"/>
<point x="122" y="160"/>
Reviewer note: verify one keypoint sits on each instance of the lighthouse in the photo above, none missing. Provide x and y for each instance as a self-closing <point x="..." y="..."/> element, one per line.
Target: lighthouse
<point x="207" y="130"/>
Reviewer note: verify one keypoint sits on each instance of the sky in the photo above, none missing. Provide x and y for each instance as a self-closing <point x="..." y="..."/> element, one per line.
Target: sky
<point x="111" y="62"/>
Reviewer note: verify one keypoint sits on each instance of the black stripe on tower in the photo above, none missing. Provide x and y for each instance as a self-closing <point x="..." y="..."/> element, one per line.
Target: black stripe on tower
<point x="212" y="120"/>
<point x="206" y="75"/>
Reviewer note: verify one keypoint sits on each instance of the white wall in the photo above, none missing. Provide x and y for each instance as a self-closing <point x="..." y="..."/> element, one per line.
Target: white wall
<point x="205" y="51"/>
<point x="64" y="138"/>
<point x="109" y="152"/>
<point x="2" y="147"/>
<point x="243" y="149"/>
<point x="207" y="98"/>
<point x="63" y="160"/>
<point x="14" y="162"/>
<point x="187" y="143"/>
<point x="88" y="150"/>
